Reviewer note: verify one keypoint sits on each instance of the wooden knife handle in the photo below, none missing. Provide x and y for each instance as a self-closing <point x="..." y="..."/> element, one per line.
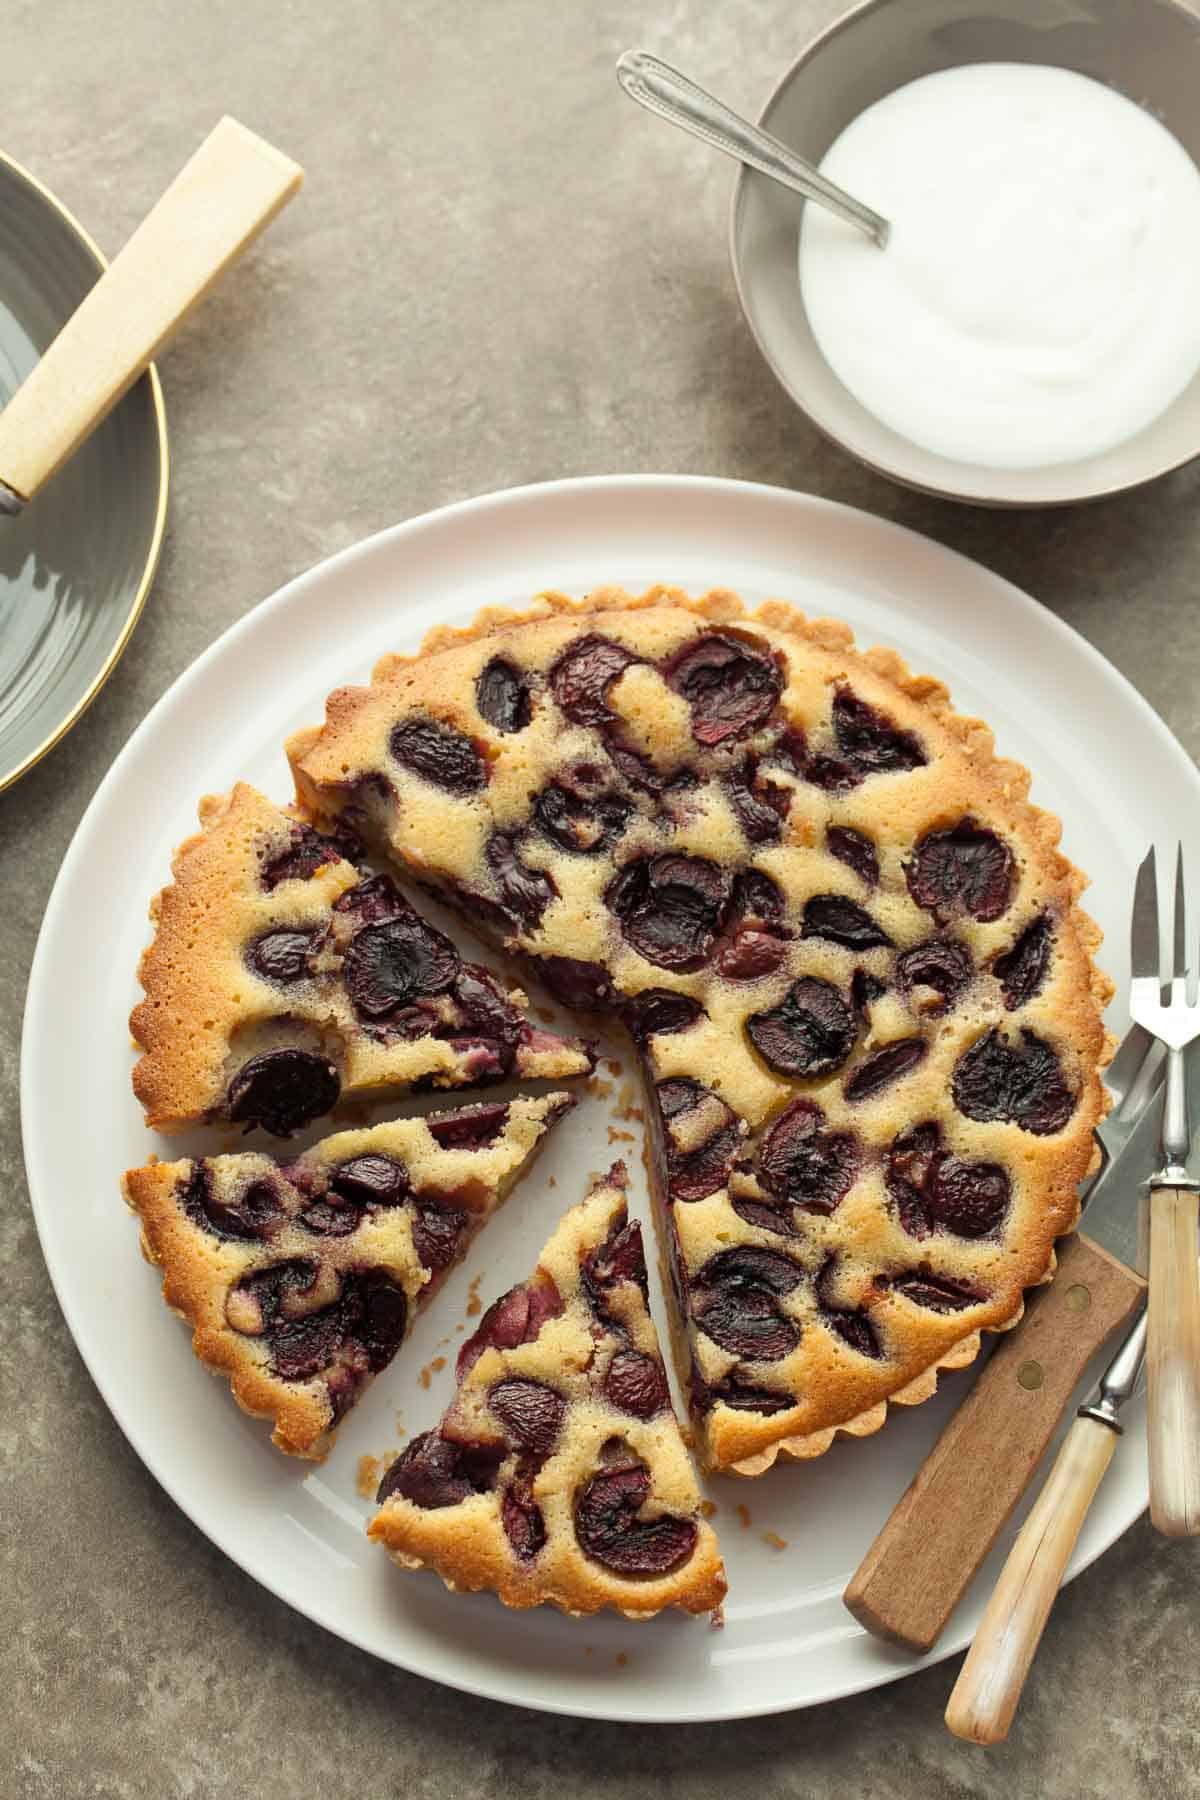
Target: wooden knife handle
<point x="233" y="186"/>
<point x="1173" y="1364"/>
<point x="991" y="1679"/>
<point x="922" y="1562"/>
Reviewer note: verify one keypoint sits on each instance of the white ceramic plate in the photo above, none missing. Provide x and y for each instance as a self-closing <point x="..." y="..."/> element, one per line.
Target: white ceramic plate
<point x="1102" y="759"/>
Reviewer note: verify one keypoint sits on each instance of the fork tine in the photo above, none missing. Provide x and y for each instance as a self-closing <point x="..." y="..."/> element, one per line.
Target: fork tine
<point x="1180" y="968"/>
<point x="1143" y="936"/>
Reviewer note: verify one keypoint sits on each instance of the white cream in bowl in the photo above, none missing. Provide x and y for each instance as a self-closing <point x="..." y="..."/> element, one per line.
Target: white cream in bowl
<point x="1039" y="298"/>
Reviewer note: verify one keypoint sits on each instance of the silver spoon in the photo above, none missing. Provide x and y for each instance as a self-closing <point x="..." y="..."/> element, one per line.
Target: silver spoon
<point x="665" y="91"/>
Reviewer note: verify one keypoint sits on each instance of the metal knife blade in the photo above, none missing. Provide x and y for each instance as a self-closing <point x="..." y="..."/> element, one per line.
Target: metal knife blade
<point x="1131" y="1139"/>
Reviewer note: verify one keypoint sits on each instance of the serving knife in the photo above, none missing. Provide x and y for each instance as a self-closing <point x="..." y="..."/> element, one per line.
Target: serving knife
<point x="221" y="199"/>
<point x="944" y="1525"/>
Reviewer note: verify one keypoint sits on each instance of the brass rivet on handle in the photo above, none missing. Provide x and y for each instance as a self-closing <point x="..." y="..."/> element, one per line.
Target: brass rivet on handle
<point x="1078" y="1297"/>
<point x="1030" y="1375"/>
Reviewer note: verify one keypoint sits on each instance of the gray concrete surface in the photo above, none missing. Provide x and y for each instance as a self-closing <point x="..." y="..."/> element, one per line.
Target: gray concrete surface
<point x="498" y="273"/>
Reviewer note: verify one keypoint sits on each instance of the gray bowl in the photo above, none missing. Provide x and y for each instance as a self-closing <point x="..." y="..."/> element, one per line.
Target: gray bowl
<point x="76" y="566"/>
<point x="1147" y="49"/>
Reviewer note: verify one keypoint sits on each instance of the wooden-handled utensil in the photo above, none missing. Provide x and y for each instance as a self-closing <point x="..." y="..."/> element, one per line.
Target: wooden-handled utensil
<point x="943" y="1527"/>
<point x="992" y="1677"/>
<point x="1173" y="1368"/>
<point x="222" y="198"/>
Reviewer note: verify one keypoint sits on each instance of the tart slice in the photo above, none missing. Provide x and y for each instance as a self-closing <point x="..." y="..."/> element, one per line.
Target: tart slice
<point x="282" y="976"/>
<point x="558" y="1473"/>
<point x="300" y="1279"/>
<point x="846" y="944"/>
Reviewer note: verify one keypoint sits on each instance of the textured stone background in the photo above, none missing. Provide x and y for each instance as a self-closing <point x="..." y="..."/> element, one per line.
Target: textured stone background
<point x="498" y="273"/>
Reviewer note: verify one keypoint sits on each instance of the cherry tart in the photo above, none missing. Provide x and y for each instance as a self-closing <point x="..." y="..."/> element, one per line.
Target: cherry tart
<point x="300" y="1279"/>
<point x="558" y="1473"/>
<point x="283" y="976"/>
<point x="846" y="945"/>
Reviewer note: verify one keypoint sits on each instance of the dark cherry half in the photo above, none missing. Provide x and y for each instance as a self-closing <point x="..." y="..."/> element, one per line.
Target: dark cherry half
<point x="618" y="1259"/>
<point x="842" y="921"/>
<point x="811" y="1032"/>
<point x="610" y="1531"/>
<point x="582" y="676"/>
<point x="885" y="1067"/>
<point x="856" y="850"/>
<point x="502" y="696"/>
<point x="474" y="1128"/>
<point x="967" y="869"/>
<point x="670" y="908"/>
<point x="740" y="1395"/>
<point x="437" y="1231"/>
<point x="282" y="1090"/>
<point x="516" y="1318"/>
<point x="281" y="957"/>
<point x="531" y="1412"/>
<point x="521" y="1516"/>
<point x="390" y="965"/>
<point x="523" y="893"/>
<point x="1020" y="1081"/>
<point x="870" y="740"/>
<point x="252" y="1214"/>
<point x="440" y="754"/>
<point x="760" y="805"/>
<point x="702" y="1168"/>
<point x="732" y="681"/>
<point x="637" y="1384"/>
<point x="432" y="1472"/>
<point x="942" y="965"/>
<point x="1022" y="970"/>
<point x="938" y="1293"/>
<point x="658" y="1011"/>
<point x="735" y="1300"/>
<point x="802" y="1164"/>
<point x="309" y="851"/>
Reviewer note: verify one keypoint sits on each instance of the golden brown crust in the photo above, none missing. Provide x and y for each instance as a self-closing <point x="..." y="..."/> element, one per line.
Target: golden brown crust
<point x="209" y="1276"/>
<point x="207" y="1010"/>
<point x="466" y="1543"/>
<point x="837" y="1387"/>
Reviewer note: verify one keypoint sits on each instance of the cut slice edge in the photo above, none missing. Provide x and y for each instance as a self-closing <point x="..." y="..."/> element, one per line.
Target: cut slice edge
<point x="300" y="1279"/>
<point x="558" y="1474"/>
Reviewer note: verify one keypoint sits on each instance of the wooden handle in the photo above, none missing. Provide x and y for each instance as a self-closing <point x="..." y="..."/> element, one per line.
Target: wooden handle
<point x="919" y="1566"/>
<point x="220" y="200"/>
<point x="990" y="1681"/>
<point x="1173" y="1364"/>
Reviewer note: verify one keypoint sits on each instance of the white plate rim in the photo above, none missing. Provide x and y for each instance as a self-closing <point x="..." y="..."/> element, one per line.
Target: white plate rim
<point x="36" y="1013"/>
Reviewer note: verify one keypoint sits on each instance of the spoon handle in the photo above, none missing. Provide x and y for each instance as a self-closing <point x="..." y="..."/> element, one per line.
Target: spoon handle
<point x="665" y="91"/>
<point x="233" y="185"/>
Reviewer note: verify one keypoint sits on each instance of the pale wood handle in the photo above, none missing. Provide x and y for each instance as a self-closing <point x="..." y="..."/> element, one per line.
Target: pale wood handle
<point x="991" y="1679"/>
<point x="1173" y="1363"/>
<point x="219" y="201"/>
<point x="940" y="1530"/>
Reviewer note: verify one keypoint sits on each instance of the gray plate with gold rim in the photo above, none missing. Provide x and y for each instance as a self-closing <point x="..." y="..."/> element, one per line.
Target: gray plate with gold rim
<point x="76" y="566"/>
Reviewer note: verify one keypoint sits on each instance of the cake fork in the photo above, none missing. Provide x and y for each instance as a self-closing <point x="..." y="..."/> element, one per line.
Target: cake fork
<point x="1173" y="1306"/>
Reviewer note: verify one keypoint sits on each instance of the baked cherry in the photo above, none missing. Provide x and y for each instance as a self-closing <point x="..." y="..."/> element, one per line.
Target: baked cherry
<point x="636" y="1384"/>
<point x="282" y="1090"/>
<point x="531" y="1412"/>
<point x="611" y="1533"/>
<point x="756" y="898"/>
<point x="966" y="869"/>
<point x="521" y="1516"/>
<point x="474" y="1128"/>
<point x="885" y="1067"/>
<point x="432" y="1472"/>
<point x="870" y="740"/>
<point x="854" y="1328"/>
<point x="1023" y="1083"/>
<point x="658" y="1011"/>
<point x="832" y="774"/>
<point x="842" y="921"/>
<point x="865" y="988"/>
<point x="252" y="1214"/>
<point x="741" y="1396"/>
<point x="856" y="850"/>
<point x="942" y="965"/>
<point x="939" y="1293"/>
<point x="911" y="1162"/>
<point x="618" y="1259"/>
<point x="701" y="1136"/>
<point x="802" y="1164"/>
<point x="578" y="818"/>
<point x="390" y="965"/>
<point x="1021" y="970"/>
<point x="437" y="1232"/>
<point x="736" y="1299"/>
<point x="969" y="1198"/>
<point x="811" y="1032"/>
<point x="524" y="893"/>
<point x="732" y="682"/>
<point x="516" y="1318"/>
<point x="439" y="754"/>
<point x="763" y="1215"/>
<point x="759" y="804"/>
<point x="502" y="696"/>
<point x="584" y="986"/>
<point x="309" y="851"/>
<point x="582" y="676"/>
<point x="750" y="955"/>
<point x="670" y="908"/>
<point x="281" y="957"/>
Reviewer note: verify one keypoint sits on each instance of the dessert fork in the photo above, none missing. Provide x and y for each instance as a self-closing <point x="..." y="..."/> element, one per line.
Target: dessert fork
<point x="1173" y="1307"/>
